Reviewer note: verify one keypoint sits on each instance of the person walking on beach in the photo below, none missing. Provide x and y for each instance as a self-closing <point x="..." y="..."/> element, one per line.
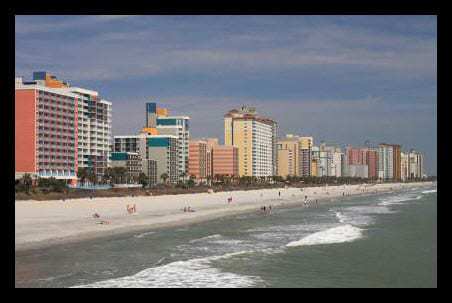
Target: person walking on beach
<point x="279" y="194"/>
<point x="305" y="200"/>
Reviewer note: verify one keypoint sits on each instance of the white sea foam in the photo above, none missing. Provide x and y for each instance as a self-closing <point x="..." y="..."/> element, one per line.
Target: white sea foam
<point x="395" y="200"/>
<point x="339" y="234"/>
<point x="190" y="273"/>
<point x="228" y="242"/>
<point x="290" y="228"/>
<point x="340" y="216"/>
<point x="206" y="238"/>
<point x="429" y="191"/>
<point x="144" y="234"/>
<point x="369" y="209"/>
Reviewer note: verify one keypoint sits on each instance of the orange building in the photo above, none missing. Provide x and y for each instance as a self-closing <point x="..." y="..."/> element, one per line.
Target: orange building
<point x="225" y="160"/>
<point x="197" y="159"/>
<point x="46" y="130"/>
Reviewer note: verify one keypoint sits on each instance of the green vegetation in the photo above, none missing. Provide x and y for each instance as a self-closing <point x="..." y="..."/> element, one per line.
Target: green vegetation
<point x="143" y="180"/>
<point x="164" y="177"/>
<point x="51" y="188"/>
<point x="42" y="185"/>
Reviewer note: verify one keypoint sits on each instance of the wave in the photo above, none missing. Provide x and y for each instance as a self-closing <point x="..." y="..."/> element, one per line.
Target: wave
<point x="429" y="191"/>
<point x="394" y="200"/>
<point x="210" y="237"/>
<point x="339" y="234"/>
<point x="195" y="273"/>
<point x="144" y="234"/>
<point x="340" y="216"/>
<point x="360" y="215"/>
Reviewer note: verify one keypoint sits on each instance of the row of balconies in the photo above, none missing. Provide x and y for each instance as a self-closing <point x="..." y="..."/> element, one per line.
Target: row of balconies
<point x="56" y="143"/>
<point x="59" y="115"/>
<point x="63" y="168"/>
<point x="61" y="109"/>
<point x="55" y="102"/>
<point x="43" y="152"/>
<point x="51" y="123"/>
<point x="54" y="132"/>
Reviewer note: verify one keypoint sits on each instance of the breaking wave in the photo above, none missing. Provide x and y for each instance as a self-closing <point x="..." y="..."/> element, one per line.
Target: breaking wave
<point x="339" y="234"/>
<point x="195" y="273"/>
<point x="429" y="191"/>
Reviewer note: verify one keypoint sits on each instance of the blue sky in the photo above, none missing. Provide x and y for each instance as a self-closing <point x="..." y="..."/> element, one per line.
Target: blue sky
<point x="341" y="79"/>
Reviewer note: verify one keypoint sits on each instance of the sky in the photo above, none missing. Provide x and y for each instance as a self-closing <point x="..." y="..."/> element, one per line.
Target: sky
<point x="341" y="79"/>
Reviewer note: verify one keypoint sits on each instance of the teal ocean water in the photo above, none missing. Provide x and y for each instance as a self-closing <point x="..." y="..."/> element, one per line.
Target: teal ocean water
<point x="387" y="240"/>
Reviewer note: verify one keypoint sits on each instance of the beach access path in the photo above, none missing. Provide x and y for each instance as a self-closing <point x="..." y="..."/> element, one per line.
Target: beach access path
<point x="43" y="223"/>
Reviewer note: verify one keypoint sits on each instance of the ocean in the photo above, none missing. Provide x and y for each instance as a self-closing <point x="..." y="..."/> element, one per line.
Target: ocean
<point x="386" y="240"/>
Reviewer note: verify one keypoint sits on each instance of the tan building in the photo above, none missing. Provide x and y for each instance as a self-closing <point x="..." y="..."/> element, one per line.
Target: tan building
<point x="294" y="152"/>
<point x="288" y="156"/>
<point x="314" y="164"/>
<point x="198" y="159"/>
<point x="306" y="144"/>
<point x="225" y="160"/>
<point x="255" y="138"/>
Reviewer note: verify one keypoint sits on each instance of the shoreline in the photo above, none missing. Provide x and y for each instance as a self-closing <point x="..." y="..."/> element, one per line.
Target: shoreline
<point x="48" y="223"/>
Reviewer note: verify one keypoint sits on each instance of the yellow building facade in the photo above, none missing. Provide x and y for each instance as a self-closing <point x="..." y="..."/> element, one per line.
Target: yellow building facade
<point x="288" y="156"/>
<point x="255" y="138"/>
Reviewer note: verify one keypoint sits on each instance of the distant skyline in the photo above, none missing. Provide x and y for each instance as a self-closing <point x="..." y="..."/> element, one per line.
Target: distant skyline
<point x="340" y="79"/>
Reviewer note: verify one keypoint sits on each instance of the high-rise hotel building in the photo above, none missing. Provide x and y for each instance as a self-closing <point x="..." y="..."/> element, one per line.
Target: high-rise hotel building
<point x="59" y="128"/>
<point x="288" y="156"/>
<point x="158" y="154"/>
<point x="305" y="167"/>
<point x="389" y="162"/>
<point x="94" y="131"/>
<point x="158" y="122"/>
<point x="255" y="137"/>
<point x="294" y="156"/>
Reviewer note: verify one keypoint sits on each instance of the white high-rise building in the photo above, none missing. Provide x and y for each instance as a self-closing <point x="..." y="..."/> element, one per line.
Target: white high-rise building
<point x="94" y="130"/>
<point x="415" y="165"/>
<point x="385" y="162"/>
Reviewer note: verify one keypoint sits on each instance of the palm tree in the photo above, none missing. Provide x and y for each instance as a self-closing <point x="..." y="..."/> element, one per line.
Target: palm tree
<point x="91" y="176"/>
<point x="164" y="177"/>
<point x="28" y="182"/>
<point x="183" y="175"/>
<point x="143" y="179"/>
<point x="82" y="174"/>
<point x="119" y="173"/>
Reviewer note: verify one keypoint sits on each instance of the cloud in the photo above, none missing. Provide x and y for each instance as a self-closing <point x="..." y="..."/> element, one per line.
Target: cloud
<point x="32" y="25"/>
<point x="132" y="52"/>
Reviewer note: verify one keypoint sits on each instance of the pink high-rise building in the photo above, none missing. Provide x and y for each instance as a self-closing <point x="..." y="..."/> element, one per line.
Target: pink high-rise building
<point x="46" y="130"/>
<point x="225" y="160"/>
<point x="372" y="162"/>
<point x="198" y="159"/>
<point x="356" y="155"/>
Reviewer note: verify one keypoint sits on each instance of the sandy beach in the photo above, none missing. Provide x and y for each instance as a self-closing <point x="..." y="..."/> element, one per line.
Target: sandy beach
<point x="42" y="223"/>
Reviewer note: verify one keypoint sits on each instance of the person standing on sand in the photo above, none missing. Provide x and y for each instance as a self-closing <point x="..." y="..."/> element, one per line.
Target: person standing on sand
<point x="279" y="194"/>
